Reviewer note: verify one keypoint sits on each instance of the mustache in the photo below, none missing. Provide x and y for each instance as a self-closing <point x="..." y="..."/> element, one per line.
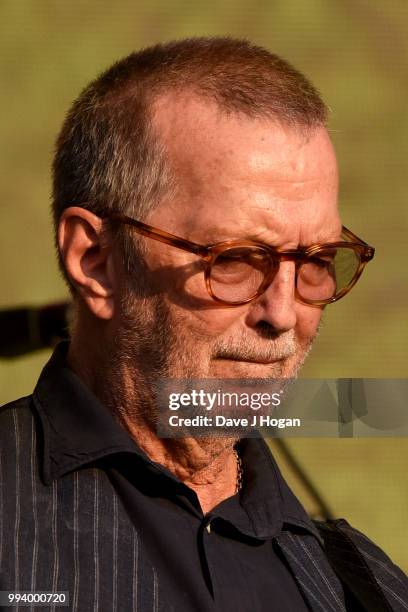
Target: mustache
<point x="277" y="347"/>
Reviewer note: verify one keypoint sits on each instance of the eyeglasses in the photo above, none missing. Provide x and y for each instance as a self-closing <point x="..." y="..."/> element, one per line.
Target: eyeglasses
<point x="238" y="271"/>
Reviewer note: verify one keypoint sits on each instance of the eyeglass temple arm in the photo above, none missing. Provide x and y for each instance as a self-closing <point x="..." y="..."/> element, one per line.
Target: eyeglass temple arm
<point x="353" y="237"/>
<point x="368" y="251"/>
<point x="161" y="235"/>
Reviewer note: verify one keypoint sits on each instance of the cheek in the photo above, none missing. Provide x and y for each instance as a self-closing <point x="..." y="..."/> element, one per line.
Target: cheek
<point x="307" y="322"/>
<point x="209" y="323"/>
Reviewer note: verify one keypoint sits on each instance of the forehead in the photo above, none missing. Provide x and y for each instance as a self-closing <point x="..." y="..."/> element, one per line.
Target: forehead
<point x="238" y="176"/>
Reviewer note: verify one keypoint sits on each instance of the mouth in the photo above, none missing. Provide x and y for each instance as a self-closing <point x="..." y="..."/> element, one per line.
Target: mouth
<point x="255" y="360"/>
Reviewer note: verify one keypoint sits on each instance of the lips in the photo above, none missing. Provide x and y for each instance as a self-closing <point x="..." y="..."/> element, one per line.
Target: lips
<point x="259" y="360"/>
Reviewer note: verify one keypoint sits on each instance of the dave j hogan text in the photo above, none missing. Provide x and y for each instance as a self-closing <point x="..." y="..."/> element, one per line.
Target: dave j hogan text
<point x="223" y="421"/>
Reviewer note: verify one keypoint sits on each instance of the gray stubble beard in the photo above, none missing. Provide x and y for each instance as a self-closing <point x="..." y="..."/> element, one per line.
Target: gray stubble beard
<point x="149" y="347"/>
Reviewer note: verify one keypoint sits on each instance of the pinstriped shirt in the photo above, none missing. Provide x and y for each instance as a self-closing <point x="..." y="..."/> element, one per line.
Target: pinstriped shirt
<point x="83" y="510"/>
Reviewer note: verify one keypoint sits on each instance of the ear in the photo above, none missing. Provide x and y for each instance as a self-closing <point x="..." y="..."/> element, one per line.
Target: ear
<point x="88" y="259"/>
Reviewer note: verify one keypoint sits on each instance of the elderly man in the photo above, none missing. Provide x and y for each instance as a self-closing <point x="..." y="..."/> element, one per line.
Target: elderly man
<point x="194" y="186"/>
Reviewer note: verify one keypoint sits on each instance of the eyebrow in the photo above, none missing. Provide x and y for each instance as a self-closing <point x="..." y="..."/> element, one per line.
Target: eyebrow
<point x="217" y="234"/>
<point x="221" y="235"/>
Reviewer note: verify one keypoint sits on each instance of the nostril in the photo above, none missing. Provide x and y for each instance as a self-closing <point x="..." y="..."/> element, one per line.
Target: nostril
<point x="266" y="330"/>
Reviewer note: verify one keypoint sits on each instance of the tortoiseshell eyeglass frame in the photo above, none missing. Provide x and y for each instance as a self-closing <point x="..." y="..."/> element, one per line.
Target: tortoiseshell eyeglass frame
<point x="209" y="254"/>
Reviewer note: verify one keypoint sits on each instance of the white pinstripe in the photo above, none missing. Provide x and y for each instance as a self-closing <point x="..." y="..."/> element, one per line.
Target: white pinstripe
<point x="381" y="564"/>
<point x="76" y="548"/>
<point x="96" y="541"/>
<point x="391" y="592"/>
<point x="324" y="578"/>
<point x="294" y="558"/>
<point x="311" y="594"/>
<point x="155" y="592"/>
<point x="115" y="551"/>
<point x="35" y="517"/>
<point x="55" y="538"/>
<point x="135" y="568"/>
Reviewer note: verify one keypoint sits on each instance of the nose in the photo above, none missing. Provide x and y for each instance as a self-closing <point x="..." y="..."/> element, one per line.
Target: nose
<point x="277" y="305"/>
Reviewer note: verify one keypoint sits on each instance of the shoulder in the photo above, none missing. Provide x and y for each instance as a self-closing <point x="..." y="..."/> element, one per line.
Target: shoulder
<point x="21" y="407"/>
<point x="359" y="561"/>
<point x="16" y="423"/>
<point x="340" y="530"/>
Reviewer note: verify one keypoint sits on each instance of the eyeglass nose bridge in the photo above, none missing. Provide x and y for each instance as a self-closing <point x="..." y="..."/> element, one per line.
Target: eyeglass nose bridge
<point x="276" y="258"/>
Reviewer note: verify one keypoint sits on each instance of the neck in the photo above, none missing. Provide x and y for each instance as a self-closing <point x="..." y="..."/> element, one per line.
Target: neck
<point x="206" y="465"/>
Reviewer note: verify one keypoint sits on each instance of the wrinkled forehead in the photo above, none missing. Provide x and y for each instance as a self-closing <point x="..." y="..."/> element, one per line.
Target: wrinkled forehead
<point x="242" y="174"/>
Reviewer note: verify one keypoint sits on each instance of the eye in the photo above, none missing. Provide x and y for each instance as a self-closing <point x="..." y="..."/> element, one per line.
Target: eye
<point x="234" y="265"/>
<point x="238" y="272"/>
<point x="322" y="261"/>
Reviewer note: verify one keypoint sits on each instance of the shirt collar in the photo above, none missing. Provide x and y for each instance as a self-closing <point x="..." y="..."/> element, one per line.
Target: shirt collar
<point x="267" y="500"/>
<point x="78" y="429"/>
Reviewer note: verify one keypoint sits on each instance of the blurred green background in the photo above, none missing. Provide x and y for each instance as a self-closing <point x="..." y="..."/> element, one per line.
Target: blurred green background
<point x="356" y="52"/>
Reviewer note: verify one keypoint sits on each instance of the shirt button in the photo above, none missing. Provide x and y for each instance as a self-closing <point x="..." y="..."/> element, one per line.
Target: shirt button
<point x="208" y="527"/>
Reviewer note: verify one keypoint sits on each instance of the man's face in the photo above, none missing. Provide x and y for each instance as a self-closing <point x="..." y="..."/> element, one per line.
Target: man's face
<point x="237" y="178"/>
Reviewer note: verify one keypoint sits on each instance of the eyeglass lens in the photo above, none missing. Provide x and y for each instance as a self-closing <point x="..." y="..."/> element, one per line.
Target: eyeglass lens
<point x="238" y="273"/>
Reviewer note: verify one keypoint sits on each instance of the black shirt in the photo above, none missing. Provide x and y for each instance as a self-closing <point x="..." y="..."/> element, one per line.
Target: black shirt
<point x="225" y="560"/>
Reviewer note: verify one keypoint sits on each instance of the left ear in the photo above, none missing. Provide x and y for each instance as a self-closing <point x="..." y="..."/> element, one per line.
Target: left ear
<point x="88" y="259"/>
